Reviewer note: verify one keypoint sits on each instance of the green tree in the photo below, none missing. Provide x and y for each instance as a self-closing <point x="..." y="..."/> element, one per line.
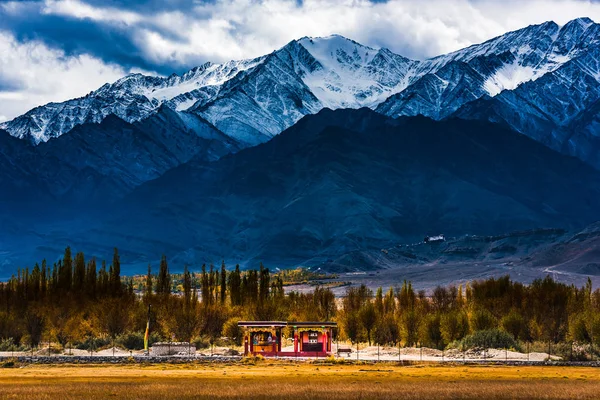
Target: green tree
<point x="235" y="287"/>
<point x="115" y="277"/>
<point x="34" y="324"/>
<point x="454" y="325"/>
<point x="91" y="279"/>
<point x="368" y="319"/>
<point x="386" y="330"/>
<point x="223" y="282"/>
<point x="410" y="321"/>
<point x="79" y="274"/>
<point x="163" y="282"/>
<point x="148" y="286"/>
<point x="515" y="324"/>
<point x="481" y="320"/>
<point x="431" y="334"/>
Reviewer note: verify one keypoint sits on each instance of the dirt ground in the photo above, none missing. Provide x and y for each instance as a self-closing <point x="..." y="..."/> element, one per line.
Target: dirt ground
<point x="273" y="380"/>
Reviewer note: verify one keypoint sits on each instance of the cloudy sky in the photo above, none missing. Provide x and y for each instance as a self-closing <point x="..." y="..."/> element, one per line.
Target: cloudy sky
<point x="55" y="50"/>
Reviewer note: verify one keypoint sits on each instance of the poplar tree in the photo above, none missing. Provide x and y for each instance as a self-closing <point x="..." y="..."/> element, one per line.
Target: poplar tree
<point x="91" y="279"/>
<point x="235" y="289"/>
<point x="263" y="292"/>
<point x="65" y="271"/>
<point x="204" y="283"/>
<point x="223" y="282"/>
<point x="115" y="276"/>
<point x="211" y="284"/>
<point x="163" y="282"/>
<point x="187" y="287"/>
<point x="148" y="285"/>
<point x="79" y="273"/>
<point x="43" y="280"/>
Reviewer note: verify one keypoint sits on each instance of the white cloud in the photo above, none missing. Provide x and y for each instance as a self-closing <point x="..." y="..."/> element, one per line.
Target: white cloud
<point x="236" y="29"/>
<point x="231" y="29"/>
<point x="32" y="74"/>
<point x="81" y="10"/>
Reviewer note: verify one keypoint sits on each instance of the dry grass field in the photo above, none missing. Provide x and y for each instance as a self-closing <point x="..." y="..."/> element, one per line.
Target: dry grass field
<point x="271" y="380"/>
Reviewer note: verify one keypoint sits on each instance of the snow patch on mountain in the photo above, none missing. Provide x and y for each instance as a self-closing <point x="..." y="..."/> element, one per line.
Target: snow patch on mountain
<point x="509" y="77"/>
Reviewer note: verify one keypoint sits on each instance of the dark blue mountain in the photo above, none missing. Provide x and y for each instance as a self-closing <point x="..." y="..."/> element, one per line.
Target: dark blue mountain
<point x="345" y="180"/>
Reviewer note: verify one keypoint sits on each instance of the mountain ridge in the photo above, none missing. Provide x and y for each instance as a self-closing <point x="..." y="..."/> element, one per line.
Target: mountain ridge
<point x="253" y="100"/>
<point x="332" y="183"/>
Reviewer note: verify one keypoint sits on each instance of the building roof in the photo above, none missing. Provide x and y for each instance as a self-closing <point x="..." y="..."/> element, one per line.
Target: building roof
<point x="261" y="324"/>
<point x="279" y="324"/>
<point x="305" y="324"/>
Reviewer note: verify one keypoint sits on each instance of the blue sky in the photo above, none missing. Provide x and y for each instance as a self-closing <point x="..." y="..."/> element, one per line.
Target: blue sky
<point x="54" y="50"/>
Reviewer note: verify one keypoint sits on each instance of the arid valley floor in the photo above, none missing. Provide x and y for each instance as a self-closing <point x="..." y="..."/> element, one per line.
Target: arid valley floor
<point x="270" y="380"/>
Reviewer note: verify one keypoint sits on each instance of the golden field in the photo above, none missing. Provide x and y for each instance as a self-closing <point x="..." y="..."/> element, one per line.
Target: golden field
<point x="272" y="380"/>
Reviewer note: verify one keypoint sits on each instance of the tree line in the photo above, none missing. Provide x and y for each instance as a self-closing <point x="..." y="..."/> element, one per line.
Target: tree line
<point x="75" y="303"/>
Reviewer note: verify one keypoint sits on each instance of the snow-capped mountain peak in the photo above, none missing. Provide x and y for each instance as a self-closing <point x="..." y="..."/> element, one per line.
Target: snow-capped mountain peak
<point x="132" y="98"/>
<point x="352" y="75"/>
<point x="441" y="85"/>
<point x="253" y="100"/>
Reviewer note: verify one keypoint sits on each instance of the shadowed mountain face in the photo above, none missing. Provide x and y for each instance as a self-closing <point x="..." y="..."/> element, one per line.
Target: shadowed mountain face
<point x="102" y="162"/>
<point x="336" y="182"/>
<point x="346" y="180"/>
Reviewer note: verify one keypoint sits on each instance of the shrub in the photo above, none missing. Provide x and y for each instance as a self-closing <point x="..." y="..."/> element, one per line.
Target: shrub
<point x="9" y="345"/>
<point x="201" y="342"/>
<point x="135" y="340"/>
<point x="233" y="331"/>
<point x="92" y="343"/>
<point x="131" y="340"/>
<point x="491" y="338"/>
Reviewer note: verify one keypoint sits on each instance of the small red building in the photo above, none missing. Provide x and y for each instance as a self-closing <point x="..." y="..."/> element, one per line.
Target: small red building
<point x="310" y="339"/>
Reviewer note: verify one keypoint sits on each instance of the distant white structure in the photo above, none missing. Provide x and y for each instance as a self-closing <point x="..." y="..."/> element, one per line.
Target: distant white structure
<point x="172" y="348"/>
<point x="433" y="239"/>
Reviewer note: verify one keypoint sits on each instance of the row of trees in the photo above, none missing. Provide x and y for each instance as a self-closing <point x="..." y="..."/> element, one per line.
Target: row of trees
<point x="545" y="310"/>
<point x="74" y="302"/>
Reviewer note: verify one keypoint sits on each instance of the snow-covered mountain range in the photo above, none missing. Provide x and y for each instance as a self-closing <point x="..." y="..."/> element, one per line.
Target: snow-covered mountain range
<point x="542" y="80"/>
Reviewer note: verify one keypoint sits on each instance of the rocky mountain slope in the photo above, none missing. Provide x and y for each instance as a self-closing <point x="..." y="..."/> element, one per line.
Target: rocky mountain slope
<point x="352" y="179"/>
<point x="567" y="256"/>
<point x="94" y="162"/>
